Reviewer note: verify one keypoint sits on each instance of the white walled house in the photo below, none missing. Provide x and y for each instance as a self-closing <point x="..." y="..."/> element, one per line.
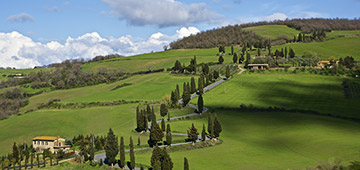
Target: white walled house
<point x="52" y="143"/>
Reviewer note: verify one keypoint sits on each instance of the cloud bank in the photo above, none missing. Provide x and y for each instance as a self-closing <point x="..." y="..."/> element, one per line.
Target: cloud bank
<point x="20" y="51"/>
<point x="22" y="17"/>
<point x="162" y="13"/>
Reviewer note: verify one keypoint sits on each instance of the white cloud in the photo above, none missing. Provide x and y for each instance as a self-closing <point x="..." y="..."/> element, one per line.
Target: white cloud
<point x="53" y="9"/>
<point x="275" y="16"/>
<point x="163" y="13"/>
<point x="22" y="17"/>
<point x="20" y="51"/>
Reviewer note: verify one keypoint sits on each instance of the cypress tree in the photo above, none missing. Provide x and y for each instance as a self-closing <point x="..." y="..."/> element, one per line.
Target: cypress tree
<point x="148" y="112"/>
<point x="169" y="117"/>
<point x="132" y="155"/>
<point x="286" y="52"/>
<point x="227" y="72"/>
<point x="192" y="133"/>
<point x="156" y="155"/>
<point x="200" y="85"/>
<point x="32" y="161"/>
<point x="174" y="99"/>
<point x="177" y="92"/>
<point x="38" y="160"/>
<point x="166" y="162"/>
<point x="153" y="116"/>
<point x="138" y="119"/>
<point x="111" y="147"/>
<point x="186" y="94"/>
<point x="193" y="85"/>
<point x="232" y="50"/>
<point x="186" y="164"/>
<point x="91" y="153"/>
<point x="300" y="37"/>
<point x="200" y="104"/>
<point x="221" y="59"/>
<point x="235" y="58"/>
<point x="15" y="153"/>
<point x="156" y="133"/>
<point x="163" y="110"/>
<point x="258" y="51"/>
<point x="291" y="53"/>
<point x="157" y="165"/>
<point x="122" y="152"/>
<point x="168" y="135"/>
<point x="44" y="158"/>
<point x="138" y="141"/>
<point x="145" y="121"/>
<point x="210" y="125"/>
<point x="163" y="125"/>
<point x="217" y="127"/>
<point x="248" y="58"/>
<point x="203" y="133"/>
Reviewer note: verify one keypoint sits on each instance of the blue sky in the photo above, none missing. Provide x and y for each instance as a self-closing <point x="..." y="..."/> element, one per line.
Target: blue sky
<point x="40" y="30"/>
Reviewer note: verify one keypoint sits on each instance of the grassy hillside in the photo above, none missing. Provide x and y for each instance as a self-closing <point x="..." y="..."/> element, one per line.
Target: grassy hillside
<point x="269" y="141"/>
<point x="343" y="33"/>
<point x="302" y="91"/>
<point x="142" y="87"/>
<point x="339" y="47"/>
<point x="273" y="31"/>
<point x="7" y="72"/>
<point x="158" y="60"/>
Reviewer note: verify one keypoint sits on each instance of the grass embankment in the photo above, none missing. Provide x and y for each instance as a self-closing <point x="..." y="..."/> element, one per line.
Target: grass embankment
<point x="158" y="60"/>
<point x="339" y="47"/>
<point x="303" y="91"/>
<point x="273" y="31"/>
<point x="269" y="140"/>
<point x="142" y="87"/>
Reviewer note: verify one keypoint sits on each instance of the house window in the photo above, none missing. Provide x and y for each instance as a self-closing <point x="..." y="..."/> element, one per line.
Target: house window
<point x="38" y="142"/>
<point x="34" y="142"/>
<point x="46" y="143"/>
<point x="59" y="143"/>
<point x="42" y="142"/>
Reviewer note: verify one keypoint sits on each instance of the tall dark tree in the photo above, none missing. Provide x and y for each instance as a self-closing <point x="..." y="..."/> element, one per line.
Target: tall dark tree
<point x="163" y="110"/>
<point x="122" y="152"/>
<point x="200" y="103"/>
<point x="216" y="74"/>
<point x="177" y="92"/>
<point x="168" y="135"/>
<point x="348" y="62"/>
<point x="186" y="94"/>
<point x="91" y="152"/>
<point x="205" y="69"/>
<point x="227" y="72"/>
<point x="232" y="50"/>
<point x="166" y="162"/>
<point x="221" y="59"/>
<point x="300" y="38"/>
<point x="200" y="85"/>
<point x="163" y="124"/>
<point x="157" y="165"/>
<point x="139" y="141"/>
<point x="241" y="59"/>
<point x="177" y="65"/>
<point x="203" y="133"/>
<point x="156" y="133"/>
<point x="210" y="125"/>
<point x="286" y="52"/>
<point x="259" y="52"/>
<point x="15" y="154"/>
<point x="173" y="99"/>
<point x="192" y="133"/>
<point x="186" y="164"/>
<point x="193" y="85"/>
<point x="217" y="127"/>
<point x="291" y="53"/>
<point x="148" y="112"/>
<point x="111" y="147"/>
<point x="243" y="50"/>
<point x="248" y="59"/>
<point x="235" y="58"/>
<point x="156" y="155"/>
<point x="132" y="155"/>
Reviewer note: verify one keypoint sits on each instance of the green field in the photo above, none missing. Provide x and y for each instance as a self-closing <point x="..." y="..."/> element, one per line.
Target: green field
<point x="158" y="60"/>
<point x="273" y="31"/>
<point x="269" y="141"/>
<point x="339" y="47"/>
<point x="301" y="91"/>
<point x="143" y="87"/>
<point x="343" y="33"/>
<point x="7" y="72"/>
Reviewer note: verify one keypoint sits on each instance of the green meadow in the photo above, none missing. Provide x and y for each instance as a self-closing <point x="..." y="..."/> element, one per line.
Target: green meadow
<point x="343" y="33"/>
<point x="339" y="47"/>
<point x="324" y="94"/>
<point x="269" y="140"/>
<point x="273" y="31"/>
<point x="142" y="87"/>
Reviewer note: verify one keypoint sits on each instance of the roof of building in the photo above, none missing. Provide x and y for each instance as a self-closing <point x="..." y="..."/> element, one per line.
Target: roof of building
<point x="324" y="61"/>
<point x="46" y="138"/>
<point x="258" y="64"/>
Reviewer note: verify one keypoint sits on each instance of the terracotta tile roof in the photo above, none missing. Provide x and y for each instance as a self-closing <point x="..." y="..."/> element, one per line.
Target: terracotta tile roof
<point x="46" y="138"/>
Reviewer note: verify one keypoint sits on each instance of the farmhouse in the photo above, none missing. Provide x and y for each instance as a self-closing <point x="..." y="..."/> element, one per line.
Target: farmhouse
<point x="258" y="66"/>
<point x="41" y="143"/>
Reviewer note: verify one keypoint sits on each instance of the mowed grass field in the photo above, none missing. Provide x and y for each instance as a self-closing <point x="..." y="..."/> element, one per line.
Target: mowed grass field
<point x="7" y="72"/>
<point x="301" y="91"/>
<point x="339" y="47"/>
<point x="273" y="31"/>
<point x="343" y="33"/>
<point x="158" y="60"/>
<point x="143" y="87"/>
<point x="269" y="141"/>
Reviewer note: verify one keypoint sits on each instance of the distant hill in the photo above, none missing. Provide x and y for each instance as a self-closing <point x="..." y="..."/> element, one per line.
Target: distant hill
<point x="237" y="34"/>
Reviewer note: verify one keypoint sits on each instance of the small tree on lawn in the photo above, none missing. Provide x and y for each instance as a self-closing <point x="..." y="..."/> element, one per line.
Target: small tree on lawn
<point x="210" y="126"/>
<point x="200" y="104"/>
<point x="156" y="133"/>
<point x="235" y="58"/>
<point x="132" y="155"/>
<point x="163" y="125"/>
<point x="192" y="133"/>
<point x="122" y="152"/>
<point x="203" y="133"/>
<point x="221" y="59"/>
<point x="163" y="110"/>
<point x="217" y="127"/>
<point x="168" y="135"/>
<point x="186" y="164"/>
<point x="193" y="85"/>
<point x="138" y="141"/>
<point x="227" y="72"/>
<point x="156" y="155"/>
<point x="111" y="147"/>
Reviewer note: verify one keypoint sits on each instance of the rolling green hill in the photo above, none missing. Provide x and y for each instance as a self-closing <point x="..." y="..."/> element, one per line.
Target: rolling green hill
<point x="273" y="31"/>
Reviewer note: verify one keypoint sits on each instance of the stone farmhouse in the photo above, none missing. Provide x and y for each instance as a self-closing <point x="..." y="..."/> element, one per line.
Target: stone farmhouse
<point x="52" y="143"/>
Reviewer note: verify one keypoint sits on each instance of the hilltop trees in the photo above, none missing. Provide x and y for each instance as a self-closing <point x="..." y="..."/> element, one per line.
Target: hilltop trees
<point x="111" y="147"/>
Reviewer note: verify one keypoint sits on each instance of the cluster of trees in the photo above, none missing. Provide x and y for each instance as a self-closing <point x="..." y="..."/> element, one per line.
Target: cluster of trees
<point x="160" y="159"/>
<point x="143" y="116"/>
<point x="214" y="129"/>
<point x="100" y="58"/>
<point x="88" y="142"/>
<point x="234" y="34"/>
<point x="191" y="68"/>
<point x="11" y="101"/>
<point x="27" y="154"/>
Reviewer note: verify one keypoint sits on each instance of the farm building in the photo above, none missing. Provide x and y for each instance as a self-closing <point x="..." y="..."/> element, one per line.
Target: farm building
<point x="258" y="66"/>
<point x="41" y="143"/>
